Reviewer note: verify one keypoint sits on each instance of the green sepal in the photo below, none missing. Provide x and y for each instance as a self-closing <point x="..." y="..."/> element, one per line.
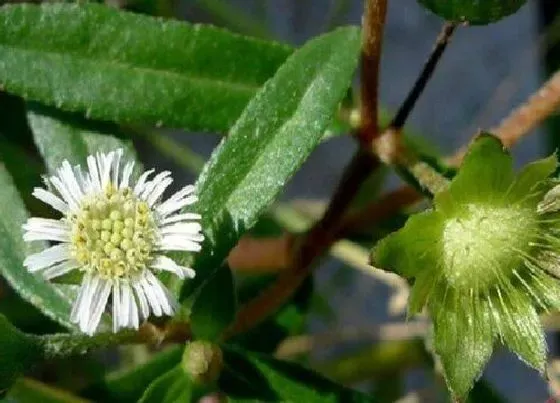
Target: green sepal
<point x="521" y="329"/>
<point x="405" y="252"/>
<point x="546" y="289"/>
<point x="463" y="339"/>
<point x="419" y="294"/>
<point x="530" y="184"/>
<point x="485" y="174"/>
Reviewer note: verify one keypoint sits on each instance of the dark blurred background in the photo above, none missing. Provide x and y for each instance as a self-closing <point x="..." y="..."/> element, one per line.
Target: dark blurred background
<point x="485" y="72"/>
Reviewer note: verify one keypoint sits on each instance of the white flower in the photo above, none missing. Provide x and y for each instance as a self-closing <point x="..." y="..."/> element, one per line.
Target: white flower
<point x="115" y="232"/>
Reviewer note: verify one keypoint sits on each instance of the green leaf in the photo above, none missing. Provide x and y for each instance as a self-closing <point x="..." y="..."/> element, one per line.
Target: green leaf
<point x="215" y="306"/>
<point x="463" y="339"/>
<point x="275" y="134"/>
<point x="123" y="67"/>
<point x="252" y="376"/>
<point x="473" y="11"/>
<point x="60" y="136"/>
<point x="18" y="352"/>
<point x="129" y="386"/>
<point x="485" y="175"/>
<point x="13" y="251"/>
<point x="30" y="390"/>
<point x="173" y="386"/>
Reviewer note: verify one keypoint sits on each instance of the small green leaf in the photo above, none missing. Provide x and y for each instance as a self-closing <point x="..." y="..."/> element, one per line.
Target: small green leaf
<point x="13" y="251"/>
<point x="275" y="134"/>
<point x="59" y="136"/>
<point x="215" y="306"/>
<point x="18" y="352"/>
<point x="171" y="387"/>
<point x="473" y="11"/>
<point x="124" y="67"/>
<point x="463" y="339"/>
<point x="256" y="377"/>
<point x="129" y="386"/>
<point x="486" y="173"/>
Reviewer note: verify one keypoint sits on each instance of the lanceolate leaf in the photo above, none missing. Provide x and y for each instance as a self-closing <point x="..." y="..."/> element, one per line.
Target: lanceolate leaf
<point x="256" y="377"/>
<point x="473" y="11"/>
<point x="118" y="66"/>
<point x="13" y="250"/>
<point x="173" y="386"/>
<point x="18" y="352"/>
<point x="60" y="136"/>
<point x="272" y="138"/>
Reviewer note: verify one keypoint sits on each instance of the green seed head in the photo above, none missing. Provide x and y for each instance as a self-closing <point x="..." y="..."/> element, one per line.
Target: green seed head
<point x="484" y="244"/>
<point x="113" y="234"/>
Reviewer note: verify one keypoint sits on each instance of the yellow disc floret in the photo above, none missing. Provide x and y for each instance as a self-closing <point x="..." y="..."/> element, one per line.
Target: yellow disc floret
<point x="113" y="234"/>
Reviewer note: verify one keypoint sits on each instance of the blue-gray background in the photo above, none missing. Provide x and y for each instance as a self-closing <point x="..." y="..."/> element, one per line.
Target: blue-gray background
<point x="485" y="72"/>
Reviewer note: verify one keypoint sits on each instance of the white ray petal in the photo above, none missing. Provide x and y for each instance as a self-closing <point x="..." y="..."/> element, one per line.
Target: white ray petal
<point x="51" y="199"/>
<point x="60" y="269"/>
<point x="117" y="306"/>
<point x="139" y="187"/>
<point x="85" y="289"/>
<point x="178" y="243"/>
<point x="93" y="173"/>
<point x="158" y="191"/>
<point x="180" y="217"/>
<point x="126" y="175"/>
<point x="144" y="307"/>
<point x="99" y="302"/>
<point x="132" y="307"/>
<point x="164" y="299"/>
<point x="47" y="257"/>
<point x="105" y="161"/>
<point x="116" y="166"/>
<point x="50" y="235"/>
<point x="151" y="296"/>
<point x="192" y="228"/>
<point x="151" y="185"/>
<point x="125" y="308"/>
<point x="167" y="264"/>
<point x="67" y="173"/>
<point x="177" y="201"/>
<point x="64" y="192"/>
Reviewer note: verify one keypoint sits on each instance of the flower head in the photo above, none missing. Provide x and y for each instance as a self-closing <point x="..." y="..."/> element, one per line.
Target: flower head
<point x="115" y="232"/>
<point x="485" y="260"/>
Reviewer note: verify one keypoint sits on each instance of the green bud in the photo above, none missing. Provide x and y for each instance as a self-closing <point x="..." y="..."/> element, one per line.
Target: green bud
<point x="203" y="361"/>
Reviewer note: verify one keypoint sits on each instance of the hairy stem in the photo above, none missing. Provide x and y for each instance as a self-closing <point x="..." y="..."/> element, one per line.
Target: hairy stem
<point x="525" y="118"/>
